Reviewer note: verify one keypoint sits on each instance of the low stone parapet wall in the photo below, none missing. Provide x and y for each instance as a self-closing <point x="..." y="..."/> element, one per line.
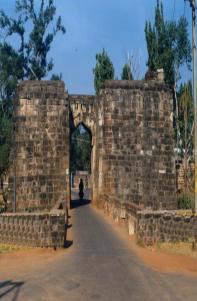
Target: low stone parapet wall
<point x="126" y="213"/>
<point x="151" y="226"/>
<point x="165" y="226"/>
<point x="33" y="229"/>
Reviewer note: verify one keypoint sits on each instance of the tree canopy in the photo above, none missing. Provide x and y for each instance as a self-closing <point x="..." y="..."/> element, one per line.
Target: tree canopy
<point x="103" y="70"/>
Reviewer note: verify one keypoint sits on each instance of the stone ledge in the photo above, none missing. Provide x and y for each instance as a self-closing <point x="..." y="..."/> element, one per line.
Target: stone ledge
<point x="34" y="84"/>
<point x="81" y="98"/>
<point x="28" y="214"/>
<point x="166" y="212"/>
<point x="135" y="84"/>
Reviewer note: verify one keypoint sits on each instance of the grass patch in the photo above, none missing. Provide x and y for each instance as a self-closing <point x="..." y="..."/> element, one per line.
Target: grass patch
<point x="185" y="201"/>
<point x="183" y="248"/>
<point x="8" y="248"/>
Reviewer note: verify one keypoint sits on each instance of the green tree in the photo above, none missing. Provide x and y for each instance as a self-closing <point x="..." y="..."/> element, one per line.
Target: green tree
<point x="126" y="72"/>
<point x="103" y="70"/>
<point x="186" y="118"/>
<point x="10" y="73"/>
<point x="168" y="45"/>
<point x="5" y="142"/>
<point x="186" y="127"/>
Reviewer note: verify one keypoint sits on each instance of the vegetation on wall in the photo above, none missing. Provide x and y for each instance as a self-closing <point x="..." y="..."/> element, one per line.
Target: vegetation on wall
<point x="185" y="202"/>
<point x="56" y="76"/>
<point x="126" y="72"/>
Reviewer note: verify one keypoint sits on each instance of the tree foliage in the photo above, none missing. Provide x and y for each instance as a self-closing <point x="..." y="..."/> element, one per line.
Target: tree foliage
<point x="34" y="45"/>
<point x="126" y="72"/>
<point x="5" y="142"/>
<point x="56" y="76"/>
<point x="168" y="45"/>
<point x="186" y="139"/>
<point x="103" y="70"/>
<point x="10" y="72"/>
<point x="186" y="118"/>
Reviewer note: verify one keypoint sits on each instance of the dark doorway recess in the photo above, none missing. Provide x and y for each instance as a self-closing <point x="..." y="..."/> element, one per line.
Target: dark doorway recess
<point x="80" y="164"/>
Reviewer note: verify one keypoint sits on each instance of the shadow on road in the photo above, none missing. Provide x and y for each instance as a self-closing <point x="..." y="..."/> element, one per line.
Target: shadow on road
<point x="78" y="203"/>
<point x="9" y="286"/>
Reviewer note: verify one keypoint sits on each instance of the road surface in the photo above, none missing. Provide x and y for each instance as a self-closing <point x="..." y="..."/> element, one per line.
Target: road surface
<point x="97" y="266"/>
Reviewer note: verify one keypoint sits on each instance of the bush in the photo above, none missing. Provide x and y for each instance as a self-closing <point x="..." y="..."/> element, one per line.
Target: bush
<point x="185" y="202"/>
<point x="2" y="209"/>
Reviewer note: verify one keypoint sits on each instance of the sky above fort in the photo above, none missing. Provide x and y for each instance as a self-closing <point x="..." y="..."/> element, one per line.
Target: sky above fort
<point x="91" y="25"/>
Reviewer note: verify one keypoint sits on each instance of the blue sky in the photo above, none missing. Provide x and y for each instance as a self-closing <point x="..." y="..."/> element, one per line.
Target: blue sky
<point x="116" y="25"/>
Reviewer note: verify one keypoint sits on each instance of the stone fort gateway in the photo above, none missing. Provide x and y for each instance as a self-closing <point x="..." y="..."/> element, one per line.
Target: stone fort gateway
<point x="132" y="158"/>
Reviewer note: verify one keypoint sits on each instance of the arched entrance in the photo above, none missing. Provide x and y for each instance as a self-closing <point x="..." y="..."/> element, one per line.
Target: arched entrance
<point x="80" y="162"/>
<point x="82" y="136"/>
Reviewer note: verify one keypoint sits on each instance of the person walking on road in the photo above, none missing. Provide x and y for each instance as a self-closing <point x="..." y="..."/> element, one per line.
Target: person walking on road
<point x="81" y="187"/>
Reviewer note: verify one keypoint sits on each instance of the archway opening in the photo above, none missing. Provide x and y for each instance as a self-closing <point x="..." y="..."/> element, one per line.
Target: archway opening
<point x="80" y="164"/>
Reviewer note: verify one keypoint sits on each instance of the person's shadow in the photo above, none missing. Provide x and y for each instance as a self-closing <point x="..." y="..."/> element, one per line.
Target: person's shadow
<point x="8" y="286"/>
<point x="78" y="203"/>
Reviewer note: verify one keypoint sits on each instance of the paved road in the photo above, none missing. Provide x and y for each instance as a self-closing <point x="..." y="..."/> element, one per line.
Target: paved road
<point x="98" y="266"/>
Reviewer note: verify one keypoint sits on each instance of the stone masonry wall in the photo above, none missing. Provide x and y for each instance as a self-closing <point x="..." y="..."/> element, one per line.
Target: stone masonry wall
<point x="165" y="226"/>
<point x="135" y="159"/>
<point x="33" y="229"/>
<point x="40" y="154"/>
<point x="124" y="214"/>
<point x="83" y="111"/>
